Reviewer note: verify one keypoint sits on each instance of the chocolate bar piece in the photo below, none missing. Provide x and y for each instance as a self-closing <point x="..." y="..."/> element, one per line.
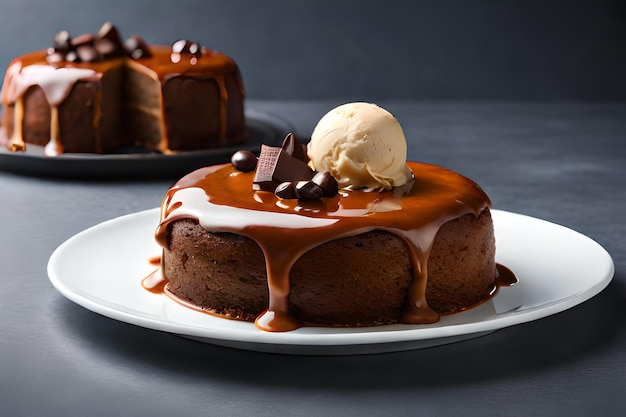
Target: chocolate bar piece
<point x="276" y="166"/>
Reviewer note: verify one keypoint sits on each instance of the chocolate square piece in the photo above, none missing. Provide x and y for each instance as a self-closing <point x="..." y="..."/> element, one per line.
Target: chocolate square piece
<point x="276" y="166"/>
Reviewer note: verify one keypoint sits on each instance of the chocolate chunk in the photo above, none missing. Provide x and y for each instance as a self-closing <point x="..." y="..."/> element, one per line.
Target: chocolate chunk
<point x="107" y="49"/>
<point x="286" y="190"/>
<point x="289" y="168"/>
<point x="294" y="147"/>
<point x="327" y="183"/>
<point x="195" y="49"/>
<point x="265" y="168"/>
<point x="109" y="31"/>
<point x="184" y="46"/>
<point x="137" y="48"/>
<point x="55" y="56"/>
<point x="83" y="49"/>
<point x="87" y="53"/>
<point x="244" y="161"/>
<point x="84" y="39"/>
<point x="72" y="56"/>
<point x="276" y="166"/>
<point x="108" y="43"/>
<point x="308" y="190"/>
<point x="63" y="49"/>
<point x="62" y="41"/>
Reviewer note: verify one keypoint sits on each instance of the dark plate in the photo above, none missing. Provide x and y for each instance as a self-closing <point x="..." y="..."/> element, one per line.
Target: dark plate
<point x="263" y="128"/>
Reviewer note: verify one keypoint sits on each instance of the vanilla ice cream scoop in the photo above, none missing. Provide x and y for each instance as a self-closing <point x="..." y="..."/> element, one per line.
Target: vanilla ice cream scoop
<point x="361" y="145"/>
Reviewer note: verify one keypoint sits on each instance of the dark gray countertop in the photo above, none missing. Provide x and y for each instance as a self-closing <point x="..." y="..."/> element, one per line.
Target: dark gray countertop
<point x="562" y="162"/>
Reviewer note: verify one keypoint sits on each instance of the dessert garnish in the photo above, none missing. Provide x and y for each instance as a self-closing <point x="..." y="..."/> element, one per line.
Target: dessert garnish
<point x="137" y="48"/>
<point x="183" y="47"/>
<point x="107" y="44"/>
<point x="280" y="164"/>
<point x="362" y="145"/>
<point x="292" y="146"/>
<point x="84" y="47"/>
<point x="327" y="183"/>
<point x="244" y="161"/>
<point x="284" y="171"/>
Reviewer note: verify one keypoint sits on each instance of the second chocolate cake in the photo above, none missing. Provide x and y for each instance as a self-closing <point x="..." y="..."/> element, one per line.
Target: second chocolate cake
<point x="99" y="94"/>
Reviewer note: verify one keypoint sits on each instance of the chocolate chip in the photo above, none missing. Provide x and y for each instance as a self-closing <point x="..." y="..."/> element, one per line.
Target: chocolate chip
<point x="71" y="56"/>
<point x="107" y="49"/>
<point x="82" y="49"/>
<point x="137" y="48"/>
<point x="84" y="39"/>
<point x="286" y="190"/>
<point x="179" y="46"/>
<point x="62" y="49"/>
<point x="308" y="190"/>
<point x="244" y="161"/>
<point x="194" y="49"/>
<point x="62" y="41"/>
<point x="184" y="46"/>
<point x="327" y="183"/>
<point x="294" y="147"/>
<point x="55" y="56"/>
<point x="87" y="53"/>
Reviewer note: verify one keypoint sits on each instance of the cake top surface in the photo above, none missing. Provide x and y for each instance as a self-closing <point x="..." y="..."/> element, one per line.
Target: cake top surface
<point x="87" y="57"/>
<point x="160" y="61"/>
<point x="434" y="192"/>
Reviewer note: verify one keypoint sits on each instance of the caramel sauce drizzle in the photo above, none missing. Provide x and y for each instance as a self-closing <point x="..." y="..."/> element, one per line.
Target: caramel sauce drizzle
<point x="54" y="147"/>
<point x="221" y="200"/>
<point x="16" y="143"/>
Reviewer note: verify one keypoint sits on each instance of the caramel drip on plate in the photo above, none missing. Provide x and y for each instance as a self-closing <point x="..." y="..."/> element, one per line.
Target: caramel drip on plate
<point x="155" y="282"/>
<point x="16" y="143"/>
<point x="54" y="147"/>
<point x="504" y="276"/>
<point x="221" y="200"/>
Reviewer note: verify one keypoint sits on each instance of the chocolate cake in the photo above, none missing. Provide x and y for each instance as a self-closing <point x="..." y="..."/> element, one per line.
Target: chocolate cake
<point x="268" y="241"/>
<point x="98" y="94"/>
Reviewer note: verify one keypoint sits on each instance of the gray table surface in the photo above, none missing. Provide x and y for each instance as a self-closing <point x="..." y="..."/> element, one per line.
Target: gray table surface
<point x="562" y="162"/>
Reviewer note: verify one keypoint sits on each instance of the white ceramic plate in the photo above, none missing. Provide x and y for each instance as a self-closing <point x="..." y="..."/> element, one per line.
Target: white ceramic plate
<point x="102" y="267"/>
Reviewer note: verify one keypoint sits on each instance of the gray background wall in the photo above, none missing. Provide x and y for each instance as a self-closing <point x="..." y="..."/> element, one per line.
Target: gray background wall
<point x="447" y="49"/>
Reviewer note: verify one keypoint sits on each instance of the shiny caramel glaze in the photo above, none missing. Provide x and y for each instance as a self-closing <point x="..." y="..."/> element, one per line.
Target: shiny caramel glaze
<point x="161" y="66"/>
<point x="56" y="88"/>
<point x="221" y="199"/>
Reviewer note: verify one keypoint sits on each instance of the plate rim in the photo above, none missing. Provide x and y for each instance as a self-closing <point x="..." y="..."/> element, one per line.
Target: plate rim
<point x="310" y="337"/>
